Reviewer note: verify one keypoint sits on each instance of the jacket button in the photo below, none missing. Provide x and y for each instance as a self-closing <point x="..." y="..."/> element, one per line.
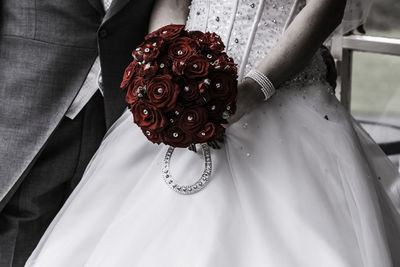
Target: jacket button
<point x="102" y="33"/>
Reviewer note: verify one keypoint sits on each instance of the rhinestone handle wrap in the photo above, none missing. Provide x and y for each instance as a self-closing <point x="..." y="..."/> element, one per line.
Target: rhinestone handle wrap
<point x="199" y="184"/>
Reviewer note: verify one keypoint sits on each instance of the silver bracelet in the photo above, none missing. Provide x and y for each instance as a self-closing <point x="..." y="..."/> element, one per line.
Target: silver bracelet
<point x="267" y="87"/>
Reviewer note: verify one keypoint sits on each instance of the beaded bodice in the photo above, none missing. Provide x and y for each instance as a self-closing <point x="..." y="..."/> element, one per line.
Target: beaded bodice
<point x="249" y="29"/>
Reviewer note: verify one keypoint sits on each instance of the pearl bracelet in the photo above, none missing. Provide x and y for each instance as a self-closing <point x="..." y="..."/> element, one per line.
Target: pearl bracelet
<point x="267" y="87"/>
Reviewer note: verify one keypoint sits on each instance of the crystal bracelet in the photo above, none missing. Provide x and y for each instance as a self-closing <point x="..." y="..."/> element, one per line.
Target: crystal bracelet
<point x="267" y="87"/>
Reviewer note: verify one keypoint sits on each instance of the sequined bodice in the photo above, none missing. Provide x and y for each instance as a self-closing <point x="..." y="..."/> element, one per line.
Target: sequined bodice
<point x="249" y="29"/>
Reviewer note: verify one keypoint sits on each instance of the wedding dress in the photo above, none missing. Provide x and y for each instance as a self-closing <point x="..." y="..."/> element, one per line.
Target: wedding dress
<point x="296" y="183"/>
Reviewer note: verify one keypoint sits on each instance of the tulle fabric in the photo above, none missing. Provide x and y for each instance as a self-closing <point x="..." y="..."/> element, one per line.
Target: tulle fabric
<point x="297" y="183"/>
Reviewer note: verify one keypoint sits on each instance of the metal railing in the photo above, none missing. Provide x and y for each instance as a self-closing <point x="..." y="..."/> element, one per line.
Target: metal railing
<point x="342" y="49"/>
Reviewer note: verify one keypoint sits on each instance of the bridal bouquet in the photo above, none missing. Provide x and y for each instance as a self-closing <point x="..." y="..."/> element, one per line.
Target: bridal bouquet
<point x="181" y="87"/>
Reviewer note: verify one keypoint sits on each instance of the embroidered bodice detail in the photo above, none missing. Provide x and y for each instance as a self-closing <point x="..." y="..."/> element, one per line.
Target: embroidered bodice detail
<point x="250" y="29"/>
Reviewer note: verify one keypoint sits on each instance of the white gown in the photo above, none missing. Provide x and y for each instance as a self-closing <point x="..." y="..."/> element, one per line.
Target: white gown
<point x="296" y="183"/>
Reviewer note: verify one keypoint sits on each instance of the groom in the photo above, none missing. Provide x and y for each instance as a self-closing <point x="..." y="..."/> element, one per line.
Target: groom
<point x="53" y="111"/>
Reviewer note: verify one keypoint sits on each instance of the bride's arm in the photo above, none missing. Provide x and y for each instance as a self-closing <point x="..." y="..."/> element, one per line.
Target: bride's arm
<point x="168" y="12"/>
<point x="317" y="20"/>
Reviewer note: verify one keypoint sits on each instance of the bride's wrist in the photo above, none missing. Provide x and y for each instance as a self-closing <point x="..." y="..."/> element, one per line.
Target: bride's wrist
<point x="264" y="83"/>
<point x="251" y="92"/>
<point x="253" y="89"/>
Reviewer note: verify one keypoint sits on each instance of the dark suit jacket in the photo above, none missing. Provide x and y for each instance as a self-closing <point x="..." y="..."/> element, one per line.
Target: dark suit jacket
<point x="47" y="48"/>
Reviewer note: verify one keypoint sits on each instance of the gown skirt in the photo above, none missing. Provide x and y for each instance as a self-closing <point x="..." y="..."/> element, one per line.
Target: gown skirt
<point x="297" y="182"/>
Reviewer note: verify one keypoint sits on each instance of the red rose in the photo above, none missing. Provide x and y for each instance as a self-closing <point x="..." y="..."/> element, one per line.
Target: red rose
<point x="178" y="67"/>
<point x="216" y="43"/>
<point x="193" y="119"/>
<point x="230" y="105"/>
<point x="211" y="41"/>
<point x="148" y="116"/>
<point x="196" y="67"/>
<point x="201" y="38"/>
<point x="153" y="137"/>
<point x="196" y="35"/>
<point x="221" y="61"/>
<point x="190" y="92"/>
<point x="136" y="90"/>
<point x="206" y="133"/>
<point x="204" y="89"/>
<point x="157" y="42"/>
<point x="223" y="85"/>
<point x="232" y="69"/>
<point x="168" y="32"/>
<point x="214" y="110"/>
<point x="224" y="62"/>
<point x="128" y="74"/>
<point x="151" y="48"/>
<point x="148" y="69"/>
<point x="163" y="92"/>
<point x="219" y="130"/>
<point x="181" y="48"/>
<point x="176" y="137"/>
<point x="176" y="113"/>
<point x="210" y="55"/>
<point x="137" y="54"/>
<point x="164" y="64"/>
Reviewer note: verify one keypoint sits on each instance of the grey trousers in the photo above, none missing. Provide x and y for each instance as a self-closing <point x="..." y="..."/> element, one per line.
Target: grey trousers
<point x="49" y="182"/>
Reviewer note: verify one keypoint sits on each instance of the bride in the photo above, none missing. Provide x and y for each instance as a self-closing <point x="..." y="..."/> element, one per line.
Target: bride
<point x="296" y="182"/>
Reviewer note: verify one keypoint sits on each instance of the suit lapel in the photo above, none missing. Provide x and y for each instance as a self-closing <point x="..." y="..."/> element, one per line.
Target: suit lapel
<point x="96" y="4"/>
<point x="115" y="7"/>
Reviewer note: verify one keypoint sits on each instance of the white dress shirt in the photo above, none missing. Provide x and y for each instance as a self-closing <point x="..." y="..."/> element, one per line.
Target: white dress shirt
<point x="90" y="85"/>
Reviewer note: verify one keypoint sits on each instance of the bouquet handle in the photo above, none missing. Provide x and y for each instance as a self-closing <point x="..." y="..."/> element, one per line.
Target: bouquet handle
<point x="197" y="186"/>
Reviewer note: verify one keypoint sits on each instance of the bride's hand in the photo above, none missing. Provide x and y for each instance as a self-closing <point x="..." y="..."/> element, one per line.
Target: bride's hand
<point x="249" y="96"/>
